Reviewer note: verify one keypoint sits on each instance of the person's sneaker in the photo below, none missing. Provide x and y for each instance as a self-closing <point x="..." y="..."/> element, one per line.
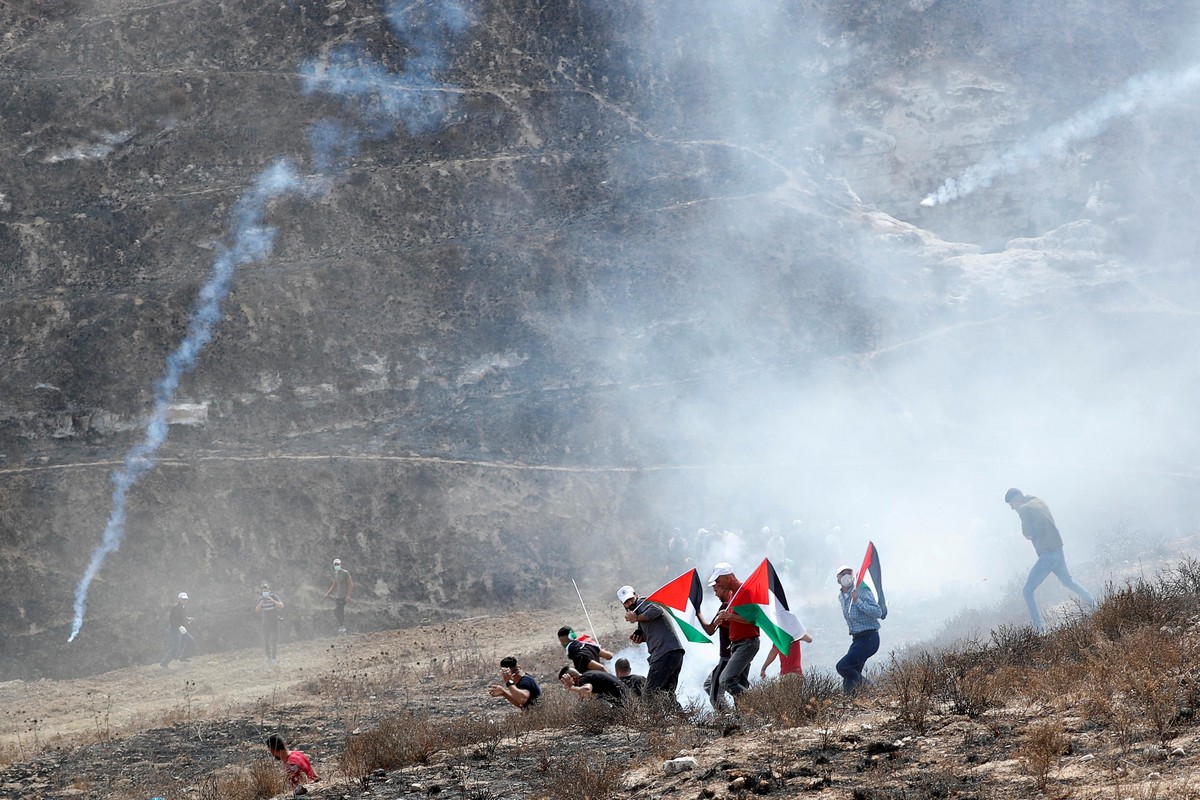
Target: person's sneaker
<point x="163" y="666"/>
<point x="341" y="631"/>
<point x="274" y="662"/>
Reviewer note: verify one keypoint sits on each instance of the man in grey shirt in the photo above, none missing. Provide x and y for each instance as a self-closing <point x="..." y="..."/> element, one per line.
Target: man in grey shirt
<point x="1037" y="525"/>
<point x="664" y="647"/>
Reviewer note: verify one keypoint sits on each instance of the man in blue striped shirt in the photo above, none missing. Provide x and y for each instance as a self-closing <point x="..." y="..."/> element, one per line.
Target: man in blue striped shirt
<point x="862" y="615"/>
<point x="270" y="607"/>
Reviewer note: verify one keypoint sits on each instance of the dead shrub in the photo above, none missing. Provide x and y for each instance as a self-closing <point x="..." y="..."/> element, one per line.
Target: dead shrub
<point x="396" y="742"/>
<point x="553" y="710"/>
<point x="1183" y="580"/>
<point x="912" y="683"/>
<point x="791" y="700"/>
<point x="1139" y="684"/>
<point x="967" y="683"/>
<point x="1135" y="605"/>
<point x="590" y="777"/>
<point x="481" y="734"/>
<point x="1015" y="644"/>
<point x="258" y="780"/>
<point x="1041" y="748"/>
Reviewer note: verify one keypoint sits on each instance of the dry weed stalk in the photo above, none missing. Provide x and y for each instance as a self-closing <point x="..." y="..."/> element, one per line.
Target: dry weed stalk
<point x="912" y="684"/>
<point x="1041" y="748"/>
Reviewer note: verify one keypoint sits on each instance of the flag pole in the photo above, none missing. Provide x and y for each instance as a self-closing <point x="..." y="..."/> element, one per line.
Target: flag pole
<point x="861" y="571"/>
<point x="585" y="611"/>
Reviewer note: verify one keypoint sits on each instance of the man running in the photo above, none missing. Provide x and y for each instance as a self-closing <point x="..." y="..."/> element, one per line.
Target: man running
<point x="1037" y="525"/>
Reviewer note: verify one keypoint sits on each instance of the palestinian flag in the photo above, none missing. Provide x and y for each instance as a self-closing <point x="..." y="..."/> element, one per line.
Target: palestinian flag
<point x="681" y="599"/>
<point x="870" y="567"/>
<point x="761" y="602"/>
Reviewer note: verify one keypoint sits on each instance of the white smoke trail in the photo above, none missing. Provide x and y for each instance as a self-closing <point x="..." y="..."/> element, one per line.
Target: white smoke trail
<point x="381" y="100"/>
<point x="416" y="99"/>
<point x="252" y="241"/>
<point x="1143" y="92"/>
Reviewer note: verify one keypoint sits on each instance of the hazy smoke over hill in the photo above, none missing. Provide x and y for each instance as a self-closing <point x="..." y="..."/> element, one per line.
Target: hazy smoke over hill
<point x="808" y="357"/>
<point x="569" y="276"/>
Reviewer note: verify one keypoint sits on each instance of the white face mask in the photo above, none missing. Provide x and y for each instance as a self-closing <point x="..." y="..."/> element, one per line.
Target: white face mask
<point x="846" y="581"/>
<point x="266" y="594"/>
<point x="338" y="568"/>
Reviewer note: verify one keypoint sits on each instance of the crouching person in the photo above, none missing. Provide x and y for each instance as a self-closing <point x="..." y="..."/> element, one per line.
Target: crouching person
<point x="297" y="768"/>
<point x="593" y="683"/>
<point x="516" y="687"/>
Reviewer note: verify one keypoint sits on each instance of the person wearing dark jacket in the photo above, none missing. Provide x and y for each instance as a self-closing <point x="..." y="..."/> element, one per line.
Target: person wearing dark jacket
<point x="593" y="683"/>
<point x="177" y="633"/>
<point x="582" y="651"/>
<point x="1037" y="525"/>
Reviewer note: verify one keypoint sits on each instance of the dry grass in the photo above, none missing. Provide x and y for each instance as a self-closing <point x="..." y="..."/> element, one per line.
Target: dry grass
<point x="792" y="701"/>
<point x="258" y="780"/>
<point x="1041" y="747"/>
<point x="588" y="777"/>
<point x="1132" y="668"/>
<point x="912" y="685"/>
<point x="396" y="742"/>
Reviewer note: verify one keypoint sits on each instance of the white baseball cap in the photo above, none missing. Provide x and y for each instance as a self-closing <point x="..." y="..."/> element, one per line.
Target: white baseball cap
<point x="183" y="596"/>
<point x="719" y="569"/>
<point x="337" y="562"/>
<point x="625" y="592"/>
<point x="844" y="568"/>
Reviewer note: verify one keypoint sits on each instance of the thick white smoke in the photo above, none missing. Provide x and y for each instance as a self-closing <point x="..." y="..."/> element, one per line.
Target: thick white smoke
<point x="1141" y="93"/>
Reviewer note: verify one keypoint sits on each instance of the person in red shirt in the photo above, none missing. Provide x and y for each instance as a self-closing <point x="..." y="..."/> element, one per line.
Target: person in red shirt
<point x="712" y="684"/>
<point x="789" y="664"/>
<point x="743" y="636"/>
<point x="296" y="766"/>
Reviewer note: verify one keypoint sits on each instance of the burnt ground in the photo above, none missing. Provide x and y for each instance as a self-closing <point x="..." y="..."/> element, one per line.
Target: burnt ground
<point x="140" y="733"/>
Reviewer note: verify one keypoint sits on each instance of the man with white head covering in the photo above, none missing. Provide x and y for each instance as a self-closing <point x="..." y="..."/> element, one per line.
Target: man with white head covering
<point x="862" y="616"/>
<point x="743" y="635"/>
<point x="181" y="641"/>
<point x="663" y="645"/>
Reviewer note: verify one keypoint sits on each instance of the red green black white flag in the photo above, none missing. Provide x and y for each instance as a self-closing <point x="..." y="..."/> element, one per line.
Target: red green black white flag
<point x="681" y="599"/>
<point x="761" y="601"/>
<point x="870" y="568"/>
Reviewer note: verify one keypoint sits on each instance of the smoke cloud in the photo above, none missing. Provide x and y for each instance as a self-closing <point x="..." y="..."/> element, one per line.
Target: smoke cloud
<point x="381" y="101"/>
<point x="251" y="240"/>
<point x="1143" y="93"/>
<point x="416" y="99"/>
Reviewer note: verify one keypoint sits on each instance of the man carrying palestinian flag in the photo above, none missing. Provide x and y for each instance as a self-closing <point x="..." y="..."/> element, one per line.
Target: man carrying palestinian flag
<point x="681" y="599"/>
<point x="663" y="644"/>
<point x="761" y="601"/>
<point x="743" y="634"/>
<point x="862" y="614"/>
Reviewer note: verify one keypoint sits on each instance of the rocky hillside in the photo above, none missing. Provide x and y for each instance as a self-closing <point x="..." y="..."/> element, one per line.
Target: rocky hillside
<point x="650" y="264"/>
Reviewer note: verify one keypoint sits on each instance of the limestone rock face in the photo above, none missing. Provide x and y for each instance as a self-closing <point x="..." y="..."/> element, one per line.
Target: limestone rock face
<point x="645" y="243"/>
